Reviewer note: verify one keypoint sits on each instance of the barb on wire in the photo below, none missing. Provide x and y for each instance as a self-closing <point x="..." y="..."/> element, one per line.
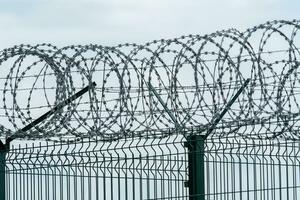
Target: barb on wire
<point x="193" y="75"/>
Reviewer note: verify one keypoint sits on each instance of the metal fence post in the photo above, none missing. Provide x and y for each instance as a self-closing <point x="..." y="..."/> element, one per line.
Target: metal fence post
<point x="2" y="173"/>
<point x="196" y="181"/>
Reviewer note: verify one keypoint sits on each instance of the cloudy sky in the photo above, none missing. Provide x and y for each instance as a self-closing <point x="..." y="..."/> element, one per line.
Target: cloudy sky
<point x="64" y="22"/>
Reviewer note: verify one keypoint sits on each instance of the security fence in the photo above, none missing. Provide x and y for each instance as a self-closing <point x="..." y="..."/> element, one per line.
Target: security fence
<point x="197" y="117"/>
<point x="233" y="168"/>
<point x="133" y="169"/>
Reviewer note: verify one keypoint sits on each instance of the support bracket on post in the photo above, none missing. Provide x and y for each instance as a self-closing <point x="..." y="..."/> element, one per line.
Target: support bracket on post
<point x="196" y="150"/>
<point x="224" y="111"/>
<point x="4" y="147"/>
<point x="152" y="89"/>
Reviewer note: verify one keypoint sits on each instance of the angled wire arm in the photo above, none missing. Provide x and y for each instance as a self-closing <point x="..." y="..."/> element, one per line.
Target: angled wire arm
<point x="19" y="134"/>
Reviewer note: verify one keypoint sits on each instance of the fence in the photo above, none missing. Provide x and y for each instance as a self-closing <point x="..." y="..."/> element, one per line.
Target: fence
<point x="154" y="169"/>
<point x="133" y="169"/>
<point x="196" y="117"/>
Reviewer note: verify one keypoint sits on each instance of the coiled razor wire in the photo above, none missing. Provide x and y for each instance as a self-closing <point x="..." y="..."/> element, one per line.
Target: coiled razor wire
<point x="195" y="75"/>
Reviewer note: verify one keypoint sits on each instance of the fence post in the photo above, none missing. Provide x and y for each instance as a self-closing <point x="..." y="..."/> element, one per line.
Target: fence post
<point x="2" y="172"/>
<point x="196" y="181"/>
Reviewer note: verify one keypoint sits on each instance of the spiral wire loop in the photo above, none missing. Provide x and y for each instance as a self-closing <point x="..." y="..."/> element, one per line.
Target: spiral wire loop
<point x="194" y="75"/>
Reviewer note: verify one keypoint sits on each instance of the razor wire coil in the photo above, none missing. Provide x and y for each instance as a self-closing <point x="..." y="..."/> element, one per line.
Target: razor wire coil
<point x="194" y="75"/>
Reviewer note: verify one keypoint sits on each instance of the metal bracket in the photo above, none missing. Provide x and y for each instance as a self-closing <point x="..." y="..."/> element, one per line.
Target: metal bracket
<point x="228" y="105"/>
<point x="152" y="89"/>
<point x="19" y="134"/>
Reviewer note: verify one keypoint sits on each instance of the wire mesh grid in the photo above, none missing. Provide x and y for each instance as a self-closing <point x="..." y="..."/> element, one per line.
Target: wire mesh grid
<point x="154" y="169"/>
<point x="136" y="169"/>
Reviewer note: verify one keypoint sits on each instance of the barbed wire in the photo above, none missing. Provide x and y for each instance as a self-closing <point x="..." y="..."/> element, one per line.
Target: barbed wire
<point x="195" y="75"/>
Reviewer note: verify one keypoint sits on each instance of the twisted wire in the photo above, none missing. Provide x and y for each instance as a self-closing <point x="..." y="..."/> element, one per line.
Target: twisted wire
<point x="195" y="75"/>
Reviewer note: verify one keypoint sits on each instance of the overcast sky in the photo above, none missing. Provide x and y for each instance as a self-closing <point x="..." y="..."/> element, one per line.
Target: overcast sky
<point x="109" y="22"/>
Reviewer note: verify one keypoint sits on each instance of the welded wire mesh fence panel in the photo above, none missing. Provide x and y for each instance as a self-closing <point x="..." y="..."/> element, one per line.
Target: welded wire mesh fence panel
<point x="135" y="169"/>
<point x="252" y="169"/>
<point x="153" y="169"/>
